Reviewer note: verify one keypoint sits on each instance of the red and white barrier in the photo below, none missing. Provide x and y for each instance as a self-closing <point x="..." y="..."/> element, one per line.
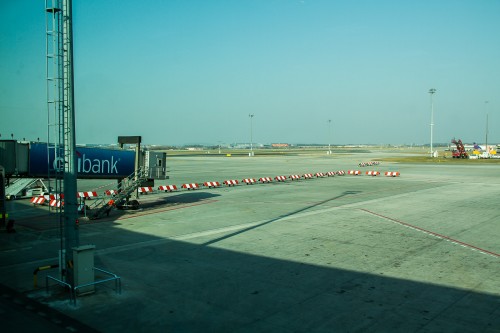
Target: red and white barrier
<point x="56" y="203"/>
<point x="307" y="175"/>
<point x="280" y="178"/>
<point x="320" y="174"/>
<point x="190" y="186"/>
<point x="147" y="189"/>
<point x="53" y="196"/>
<point x="231" y="182"/>
<point x="111" y="192"/>
<point x="86" y="194"/>
<point x="38" y="200"/>
<point x="167" y="188"/>
<point x="392" y="174"/>
<point x="354" y="172"/>
<point x="249" y="181"/>
<point x="265" y="179"/>
<point x="211" y="184"/>
<point x="340" y="173"/>
<point x="330" y="173"/>
<point x="294" y="177"/>
<point x="372" y="173"/>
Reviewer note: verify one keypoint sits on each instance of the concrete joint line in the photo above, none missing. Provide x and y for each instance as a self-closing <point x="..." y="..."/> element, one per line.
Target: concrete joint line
<point x="434" y="234"/>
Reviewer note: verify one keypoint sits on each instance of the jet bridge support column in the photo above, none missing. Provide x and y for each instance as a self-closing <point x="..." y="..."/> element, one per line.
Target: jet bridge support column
<point x="3" y="209"/>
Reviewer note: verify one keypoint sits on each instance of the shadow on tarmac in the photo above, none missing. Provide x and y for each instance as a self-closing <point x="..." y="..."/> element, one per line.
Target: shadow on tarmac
<point x="190" y="197"/>
<point x="183" y="287"/>
<point x="177" y="286"/>
<point x="282" y="217"/>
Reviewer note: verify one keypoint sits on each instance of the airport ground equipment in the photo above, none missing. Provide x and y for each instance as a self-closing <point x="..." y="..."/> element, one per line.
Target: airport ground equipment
<point x="24" y="188"/>
<point x="103" y="205"/>
<point x="460" y="151"/>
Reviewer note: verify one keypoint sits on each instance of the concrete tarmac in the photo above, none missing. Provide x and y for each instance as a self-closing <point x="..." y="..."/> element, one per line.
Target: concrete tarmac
<point x="415" y="253"/>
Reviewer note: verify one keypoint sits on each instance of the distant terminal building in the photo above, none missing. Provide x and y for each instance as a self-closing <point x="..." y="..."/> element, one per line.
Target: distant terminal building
<point x="280" y="145"/>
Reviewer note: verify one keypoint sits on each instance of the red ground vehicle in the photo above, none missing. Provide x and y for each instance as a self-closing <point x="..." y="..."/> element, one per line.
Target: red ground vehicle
<point x="460" y="151"/>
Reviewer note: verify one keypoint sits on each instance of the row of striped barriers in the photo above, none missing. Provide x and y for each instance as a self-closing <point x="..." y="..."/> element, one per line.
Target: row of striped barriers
<point x="250" y="181"/>
<point x="374" y="173"/>
<point x="372" y="163"/>
<point x="56" y="200"/>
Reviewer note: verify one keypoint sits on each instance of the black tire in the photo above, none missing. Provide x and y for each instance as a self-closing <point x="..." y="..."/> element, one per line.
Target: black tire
<point x="134" y="204"/>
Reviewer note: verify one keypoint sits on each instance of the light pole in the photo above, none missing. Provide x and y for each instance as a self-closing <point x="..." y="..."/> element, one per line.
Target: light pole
<point x="329" y="136"/>
<point x="251" y="134"/>
<point x="432" y="91"/>
<point x="486" y="148"/>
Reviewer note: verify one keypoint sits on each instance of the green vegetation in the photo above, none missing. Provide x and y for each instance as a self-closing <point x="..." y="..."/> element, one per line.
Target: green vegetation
<point x="438" y="160"/>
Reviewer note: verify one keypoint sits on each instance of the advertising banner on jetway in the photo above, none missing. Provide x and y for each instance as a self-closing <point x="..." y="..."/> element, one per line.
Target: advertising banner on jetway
<point x="91" y="163"/>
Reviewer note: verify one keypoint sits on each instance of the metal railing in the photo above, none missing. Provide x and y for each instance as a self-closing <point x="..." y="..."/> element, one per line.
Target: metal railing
<point x="73" y="289"/>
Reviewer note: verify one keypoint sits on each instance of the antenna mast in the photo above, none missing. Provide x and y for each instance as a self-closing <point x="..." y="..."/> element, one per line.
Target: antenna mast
<point x="61" y="125"/>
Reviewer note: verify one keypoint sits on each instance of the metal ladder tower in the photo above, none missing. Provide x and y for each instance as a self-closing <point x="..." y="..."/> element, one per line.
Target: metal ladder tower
<point x="61" y="125"/>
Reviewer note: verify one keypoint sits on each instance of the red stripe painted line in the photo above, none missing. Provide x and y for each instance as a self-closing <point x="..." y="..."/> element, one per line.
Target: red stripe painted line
<point x="456" y="241"/>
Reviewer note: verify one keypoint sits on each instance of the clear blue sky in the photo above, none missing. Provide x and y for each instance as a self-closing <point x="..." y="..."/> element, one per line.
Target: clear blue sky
<point x="181" y="72"/>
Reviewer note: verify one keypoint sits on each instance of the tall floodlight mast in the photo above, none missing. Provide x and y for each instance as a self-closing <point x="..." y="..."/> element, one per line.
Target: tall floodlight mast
<point x="251" y="134"/>
<point x="432" y="91"/>
<point x="329" y="136"/>
<point x="486" y="141"/>
<point x="61" y="122"/>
